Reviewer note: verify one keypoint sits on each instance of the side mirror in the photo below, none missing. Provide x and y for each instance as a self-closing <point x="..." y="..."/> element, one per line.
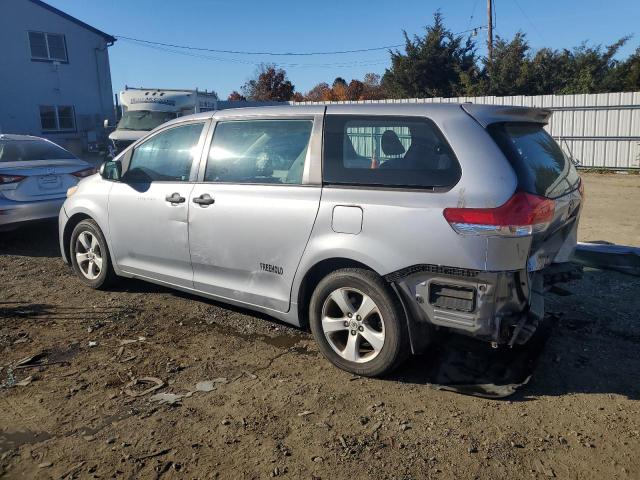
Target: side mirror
<point x="111" y="170"/>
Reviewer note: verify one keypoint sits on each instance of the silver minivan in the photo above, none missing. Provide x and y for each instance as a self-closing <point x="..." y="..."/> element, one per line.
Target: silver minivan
<point x="374" y="225"/>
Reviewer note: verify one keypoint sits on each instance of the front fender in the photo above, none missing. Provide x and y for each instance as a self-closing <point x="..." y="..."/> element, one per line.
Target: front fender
<point x="90" y="200"/>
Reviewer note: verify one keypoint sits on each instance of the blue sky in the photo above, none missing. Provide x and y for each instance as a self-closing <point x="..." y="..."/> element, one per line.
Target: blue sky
<point x="329" y="25"/>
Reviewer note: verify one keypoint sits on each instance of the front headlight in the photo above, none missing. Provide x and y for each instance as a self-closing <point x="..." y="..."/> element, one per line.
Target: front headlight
<point x="72" y="190"/>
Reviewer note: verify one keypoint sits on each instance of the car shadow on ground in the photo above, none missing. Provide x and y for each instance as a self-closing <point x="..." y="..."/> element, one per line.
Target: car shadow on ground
<point x="38" y="239"/>
<point x="590" y="346"/>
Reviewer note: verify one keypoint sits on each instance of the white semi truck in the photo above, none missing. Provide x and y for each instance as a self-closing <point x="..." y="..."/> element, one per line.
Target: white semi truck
<point x="143" y="109"/>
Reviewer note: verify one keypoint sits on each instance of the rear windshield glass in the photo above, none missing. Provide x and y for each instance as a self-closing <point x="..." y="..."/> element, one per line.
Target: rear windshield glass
<point x="387" y="151"/>
<point x="541" y="166"/>
<point x="28" y="150"/>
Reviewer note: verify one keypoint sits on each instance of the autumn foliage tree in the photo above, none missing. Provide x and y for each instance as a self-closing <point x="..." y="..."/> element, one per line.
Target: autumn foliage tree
<point x="236" y="96"/>
<point x="367" y="89"/>
<point x="269" y="84"/>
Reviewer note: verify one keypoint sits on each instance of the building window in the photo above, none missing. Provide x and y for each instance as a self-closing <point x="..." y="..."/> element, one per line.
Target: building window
<point x="60" y="118"/>
<point x="48" y="47"/>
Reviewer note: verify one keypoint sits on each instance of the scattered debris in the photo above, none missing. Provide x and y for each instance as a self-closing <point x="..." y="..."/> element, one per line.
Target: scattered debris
<point x="171" y="399"/>
<point x="154" y="454"/>
<point x="25" y="382"/>
<point x="72" y="470"/>
<point x="31" y="361"/>
<point x="156" y="382"/>
<point x="608" y="256"/>
<point x="92" y="343"/>
<point x="206" y="386"/>
<point x="45" y="465"/>
<point x="10" y="381"/>
<point x="305" y="413"/>
<point x="542" y="468"/>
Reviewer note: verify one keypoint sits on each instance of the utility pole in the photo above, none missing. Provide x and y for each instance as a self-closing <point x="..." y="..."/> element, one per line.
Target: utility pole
<point x="490" y="30"/>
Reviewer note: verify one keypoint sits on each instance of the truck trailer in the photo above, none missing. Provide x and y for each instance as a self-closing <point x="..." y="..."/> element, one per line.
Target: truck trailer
<point x="143" y="109"/>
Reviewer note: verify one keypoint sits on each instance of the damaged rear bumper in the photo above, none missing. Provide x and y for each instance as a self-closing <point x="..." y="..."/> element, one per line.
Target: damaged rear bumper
<point x="504" y="308"/>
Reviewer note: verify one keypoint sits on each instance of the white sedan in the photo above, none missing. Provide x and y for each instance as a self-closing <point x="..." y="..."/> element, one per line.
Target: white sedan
<point x="35" y="174"/>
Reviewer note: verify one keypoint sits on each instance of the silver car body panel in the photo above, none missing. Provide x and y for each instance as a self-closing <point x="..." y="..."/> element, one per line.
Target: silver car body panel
<point x="255" y="244"/>
<point x="149" y="235"/>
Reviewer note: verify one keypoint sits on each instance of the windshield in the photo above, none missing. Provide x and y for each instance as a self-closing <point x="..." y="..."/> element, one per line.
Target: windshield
<point x="28" y="150"/>
<point x="539" y="162"/>
<point x="143" y="119"/>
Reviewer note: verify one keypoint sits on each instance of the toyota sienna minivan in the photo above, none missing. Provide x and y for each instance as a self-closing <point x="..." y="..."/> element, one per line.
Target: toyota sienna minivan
<point x="373" y="225"/>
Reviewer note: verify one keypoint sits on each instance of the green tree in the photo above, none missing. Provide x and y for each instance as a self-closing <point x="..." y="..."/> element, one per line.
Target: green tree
<point x="630" y="72"/>
<point x="509" y="71"/>
<point x="593" y="69"/>
<point x="431" y="65"/>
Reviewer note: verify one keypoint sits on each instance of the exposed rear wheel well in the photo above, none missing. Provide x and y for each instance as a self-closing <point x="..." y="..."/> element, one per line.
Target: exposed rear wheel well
<point x="313" y="277"/>
<point x="68" y="230"/>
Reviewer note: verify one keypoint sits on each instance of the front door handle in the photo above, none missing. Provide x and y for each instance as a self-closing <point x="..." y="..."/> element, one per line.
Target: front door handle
<point x="174" y="198"/>
<point x="204" y="200"/>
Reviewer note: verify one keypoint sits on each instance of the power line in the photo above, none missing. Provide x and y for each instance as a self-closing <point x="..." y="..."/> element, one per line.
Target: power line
<point x="281" y="54"/>
<point x="242" y="52"/>
<point x="473" y="11"/>
<point x="529" y="20"/>
<point x="255" y="63"/>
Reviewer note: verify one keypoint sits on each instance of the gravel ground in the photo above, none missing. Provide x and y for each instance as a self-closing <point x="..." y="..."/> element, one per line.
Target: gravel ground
<point x="275" y="408"/>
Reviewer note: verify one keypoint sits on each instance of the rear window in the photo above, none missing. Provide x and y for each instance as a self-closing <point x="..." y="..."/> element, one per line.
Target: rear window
<point x="540" y="164"/>
<point x="28" y="150"/>
<point x="387" y="151"/>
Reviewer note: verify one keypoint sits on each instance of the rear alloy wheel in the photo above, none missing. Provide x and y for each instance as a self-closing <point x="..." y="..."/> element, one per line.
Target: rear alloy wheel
<point x="353" y="325"/>
<point x="90" y="255"/>
<point x="358" y="322"/>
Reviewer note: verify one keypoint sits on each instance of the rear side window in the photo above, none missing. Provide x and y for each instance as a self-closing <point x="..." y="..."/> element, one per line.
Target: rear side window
<point x="167" y="156"/>
<point x="540" y="164"/>
<point x="387" y="151"/>
<point x="259" y="151"/>
<point x="29" y="150"/>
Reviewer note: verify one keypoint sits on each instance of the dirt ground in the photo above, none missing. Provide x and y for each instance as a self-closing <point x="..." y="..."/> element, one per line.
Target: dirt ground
<point x="276" y="408"/>
<point x="611" y="209"/>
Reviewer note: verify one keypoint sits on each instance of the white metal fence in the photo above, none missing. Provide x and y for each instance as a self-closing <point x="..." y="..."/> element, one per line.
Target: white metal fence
<point x="599" y="130"/>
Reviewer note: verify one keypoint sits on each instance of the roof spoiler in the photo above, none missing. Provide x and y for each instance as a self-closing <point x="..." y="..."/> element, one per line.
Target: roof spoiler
<point x="485" y="115"/>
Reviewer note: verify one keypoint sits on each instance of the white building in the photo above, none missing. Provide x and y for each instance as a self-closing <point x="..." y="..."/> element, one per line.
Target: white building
<point x="54" y="74"/>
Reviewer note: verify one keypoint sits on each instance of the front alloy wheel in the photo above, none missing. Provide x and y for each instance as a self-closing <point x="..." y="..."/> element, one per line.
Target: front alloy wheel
<point x="88" y="255"/>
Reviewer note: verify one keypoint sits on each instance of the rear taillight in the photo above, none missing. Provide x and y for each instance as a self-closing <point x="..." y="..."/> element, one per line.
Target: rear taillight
<point x="84" y="173"/>
<point x="4" y="179"/>
<point x="523" y="214"/>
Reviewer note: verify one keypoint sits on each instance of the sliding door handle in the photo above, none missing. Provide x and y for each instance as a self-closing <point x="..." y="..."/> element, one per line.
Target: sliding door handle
<point x="175" y="198"/>
<point x="204" y="200"/>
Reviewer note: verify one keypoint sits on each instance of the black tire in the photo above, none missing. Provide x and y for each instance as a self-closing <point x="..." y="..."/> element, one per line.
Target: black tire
<point x="106" y="274"/>
<point x="395" y="348"/>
